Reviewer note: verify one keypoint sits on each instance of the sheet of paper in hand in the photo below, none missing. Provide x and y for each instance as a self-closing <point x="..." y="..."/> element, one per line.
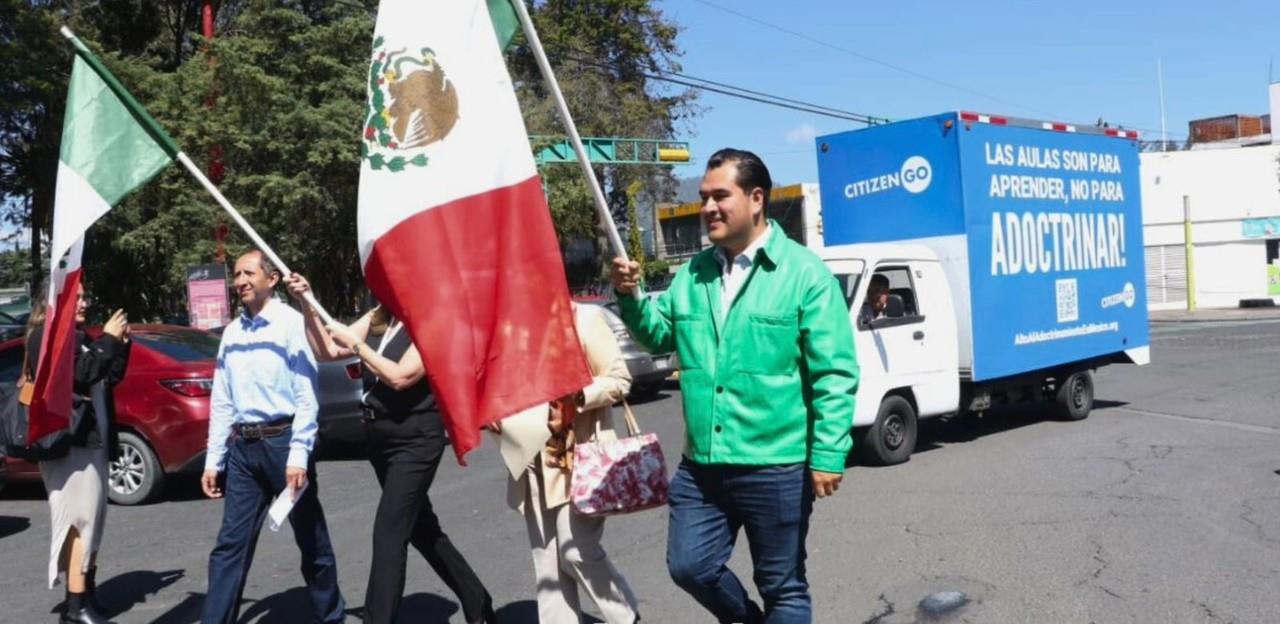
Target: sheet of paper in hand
<point x="283" y="504"/>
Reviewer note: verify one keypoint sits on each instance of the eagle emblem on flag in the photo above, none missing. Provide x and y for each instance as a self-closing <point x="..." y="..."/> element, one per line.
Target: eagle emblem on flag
<point x="412" y="104"/>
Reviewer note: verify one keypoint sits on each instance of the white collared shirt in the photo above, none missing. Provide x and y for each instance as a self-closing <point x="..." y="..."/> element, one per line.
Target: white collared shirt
<point x="265" y="372"/>
<point x="734" y="274"/>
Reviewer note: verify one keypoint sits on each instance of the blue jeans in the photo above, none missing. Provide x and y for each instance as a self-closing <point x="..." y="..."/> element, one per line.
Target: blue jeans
<point x="254" y="476"/>
<point x="773" y="503"/>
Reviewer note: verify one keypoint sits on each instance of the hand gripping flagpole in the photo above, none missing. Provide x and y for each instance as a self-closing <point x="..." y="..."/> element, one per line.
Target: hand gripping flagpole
<point x="602" y="207"/>
<point x="171" y="147"/>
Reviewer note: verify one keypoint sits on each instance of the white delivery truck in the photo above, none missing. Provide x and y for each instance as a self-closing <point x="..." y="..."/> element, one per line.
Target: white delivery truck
<point x="1013" y="255"/>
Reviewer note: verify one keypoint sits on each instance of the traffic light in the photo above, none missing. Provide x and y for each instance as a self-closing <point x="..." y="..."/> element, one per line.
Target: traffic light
<point x="673" y="154"/>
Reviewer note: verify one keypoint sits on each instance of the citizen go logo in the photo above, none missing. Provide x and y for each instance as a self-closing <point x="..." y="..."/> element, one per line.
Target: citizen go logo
<point x="916" y="174"/>
<point x="914" y="177"/>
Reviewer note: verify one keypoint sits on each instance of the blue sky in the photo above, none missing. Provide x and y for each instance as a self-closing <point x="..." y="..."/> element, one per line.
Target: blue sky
<point x="1057" y="61"/>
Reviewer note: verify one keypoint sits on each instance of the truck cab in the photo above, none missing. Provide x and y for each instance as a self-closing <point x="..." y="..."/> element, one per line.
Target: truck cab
<point x="907" y="354"/>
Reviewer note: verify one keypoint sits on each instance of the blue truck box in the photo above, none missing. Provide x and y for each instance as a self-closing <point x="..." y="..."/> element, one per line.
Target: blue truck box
<point x="1038" y="225"/>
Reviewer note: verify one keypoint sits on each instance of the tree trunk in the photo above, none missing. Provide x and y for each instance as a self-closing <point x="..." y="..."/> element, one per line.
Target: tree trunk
<point x="37" y="274"/>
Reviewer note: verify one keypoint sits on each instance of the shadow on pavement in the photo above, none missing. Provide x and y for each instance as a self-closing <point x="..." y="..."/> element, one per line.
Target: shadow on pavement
<point x="427" y="608"/>
<point x="523" y="612"/>
<point x="182" y="487"/>
<point x="23" y="491"/>
<point x="1099" y="404"/>
<point x="935" y="433"/>
<point x="126" y="591"/>
<point x="293" y="605"/>
<point x="185" y="612"/>
<point x="420" y="607"/>
<point x="280" y="608"/>
<point x="13" y="525"/>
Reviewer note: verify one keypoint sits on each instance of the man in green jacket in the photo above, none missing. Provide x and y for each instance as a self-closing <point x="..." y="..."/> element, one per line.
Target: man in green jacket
<point x="768" y="377"/>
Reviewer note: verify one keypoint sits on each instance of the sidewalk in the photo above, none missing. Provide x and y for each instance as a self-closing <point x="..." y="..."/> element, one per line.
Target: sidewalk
<point x="1204" y="315"/>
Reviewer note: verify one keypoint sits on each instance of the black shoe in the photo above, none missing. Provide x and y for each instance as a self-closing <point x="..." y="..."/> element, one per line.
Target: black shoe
<point x="79" y="611"/>
<point x="84" y="615"/>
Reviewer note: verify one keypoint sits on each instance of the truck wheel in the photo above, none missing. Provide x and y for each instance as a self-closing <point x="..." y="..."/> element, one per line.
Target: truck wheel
<point x="1075" y="396"/>
<point x="893" y="436"/>
<point x="136" y="476"/>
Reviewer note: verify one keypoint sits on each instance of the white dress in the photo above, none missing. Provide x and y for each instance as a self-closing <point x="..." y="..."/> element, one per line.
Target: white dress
<point x="77" y="488"/>
<point x="76" y="485"/>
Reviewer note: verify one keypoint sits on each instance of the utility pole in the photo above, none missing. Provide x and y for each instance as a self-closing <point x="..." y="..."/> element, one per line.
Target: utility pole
<point x="1164" y="133"/>
<point x="1190" y="253"/>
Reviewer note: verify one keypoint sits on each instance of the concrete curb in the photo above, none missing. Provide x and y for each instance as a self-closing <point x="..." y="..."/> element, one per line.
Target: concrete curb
<point x="1221" y="319"/>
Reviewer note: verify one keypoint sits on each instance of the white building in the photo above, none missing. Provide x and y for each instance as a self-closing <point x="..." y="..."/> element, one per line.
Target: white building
<point x="1234" y="198"/>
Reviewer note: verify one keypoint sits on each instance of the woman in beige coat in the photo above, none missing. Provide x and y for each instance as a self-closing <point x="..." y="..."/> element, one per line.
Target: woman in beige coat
<point x="568" y="559"/>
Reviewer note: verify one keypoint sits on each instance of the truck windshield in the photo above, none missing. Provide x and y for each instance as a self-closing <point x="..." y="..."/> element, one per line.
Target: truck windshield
<point x="848" y="273"/>
<point x="848" y="286"/>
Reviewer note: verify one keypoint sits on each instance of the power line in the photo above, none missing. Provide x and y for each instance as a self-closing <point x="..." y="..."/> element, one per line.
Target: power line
<point x="743" y="93"/>
<point x="871" y="59"/>
<point x="872" y="119"/>
<point x="738" y="92"/>
<point x="735" y="91"/>
<point x="765" y="100"/>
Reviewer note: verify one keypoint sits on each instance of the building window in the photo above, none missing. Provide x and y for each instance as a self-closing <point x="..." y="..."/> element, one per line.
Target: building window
<point x="682" y="236"/>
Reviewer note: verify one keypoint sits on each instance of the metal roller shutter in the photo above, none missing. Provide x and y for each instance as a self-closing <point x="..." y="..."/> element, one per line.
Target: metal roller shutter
<point x="1166" y="273"/>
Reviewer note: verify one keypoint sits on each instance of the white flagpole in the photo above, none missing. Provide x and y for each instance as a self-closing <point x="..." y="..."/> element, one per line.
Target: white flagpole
<point x="248" y="229"/>
<point x="602" y="207"/>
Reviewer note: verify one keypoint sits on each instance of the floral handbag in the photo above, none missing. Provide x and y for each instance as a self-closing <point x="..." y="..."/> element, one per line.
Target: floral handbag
<point x="618" y="476"/>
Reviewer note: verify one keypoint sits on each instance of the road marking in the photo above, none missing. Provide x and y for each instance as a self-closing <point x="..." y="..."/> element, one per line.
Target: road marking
<point x="1201" y="420"/>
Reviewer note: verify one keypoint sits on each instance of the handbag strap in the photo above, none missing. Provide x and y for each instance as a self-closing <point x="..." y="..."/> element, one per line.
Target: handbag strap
<point x="633" y="428"/>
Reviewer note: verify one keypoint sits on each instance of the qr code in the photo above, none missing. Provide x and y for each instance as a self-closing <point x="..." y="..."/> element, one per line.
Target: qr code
<point x="1068" y="301"/>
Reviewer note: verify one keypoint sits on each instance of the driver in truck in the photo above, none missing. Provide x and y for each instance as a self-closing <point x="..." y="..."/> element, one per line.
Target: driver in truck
<point x="877" y="300"/>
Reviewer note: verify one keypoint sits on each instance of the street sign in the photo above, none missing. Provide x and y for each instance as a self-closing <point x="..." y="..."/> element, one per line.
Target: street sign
<point x="207" y="299"/>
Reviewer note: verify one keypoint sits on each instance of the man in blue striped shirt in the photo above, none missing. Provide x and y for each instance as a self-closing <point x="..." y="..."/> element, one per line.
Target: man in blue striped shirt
<point x="262" y="431"/>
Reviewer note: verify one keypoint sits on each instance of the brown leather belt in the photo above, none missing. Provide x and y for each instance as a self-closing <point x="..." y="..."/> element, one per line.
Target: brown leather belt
<point x="258" y="431"/>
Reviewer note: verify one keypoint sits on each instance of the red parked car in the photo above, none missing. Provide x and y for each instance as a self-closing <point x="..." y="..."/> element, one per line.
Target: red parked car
<point x="162" y="408"/>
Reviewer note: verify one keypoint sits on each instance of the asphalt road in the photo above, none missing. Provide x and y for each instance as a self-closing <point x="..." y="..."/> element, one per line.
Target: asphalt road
<point x="1163" y="506"/>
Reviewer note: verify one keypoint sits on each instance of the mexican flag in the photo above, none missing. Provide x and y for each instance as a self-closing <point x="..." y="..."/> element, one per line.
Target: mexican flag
<point x="110" y="147"/>
<point x="454" y="231"/>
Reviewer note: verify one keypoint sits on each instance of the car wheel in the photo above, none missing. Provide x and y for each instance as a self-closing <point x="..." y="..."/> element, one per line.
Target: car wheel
<point x="135" y="476"/>
<point x="1075" y="396"/>
<point x="893" y="436"/>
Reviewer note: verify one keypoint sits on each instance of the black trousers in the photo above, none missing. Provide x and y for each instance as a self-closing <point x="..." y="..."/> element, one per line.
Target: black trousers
<point x="405" y="451"/>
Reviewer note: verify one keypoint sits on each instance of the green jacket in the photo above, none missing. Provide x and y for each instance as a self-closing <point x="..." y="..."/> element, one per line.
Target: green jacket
<point x="773" y="381"/>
